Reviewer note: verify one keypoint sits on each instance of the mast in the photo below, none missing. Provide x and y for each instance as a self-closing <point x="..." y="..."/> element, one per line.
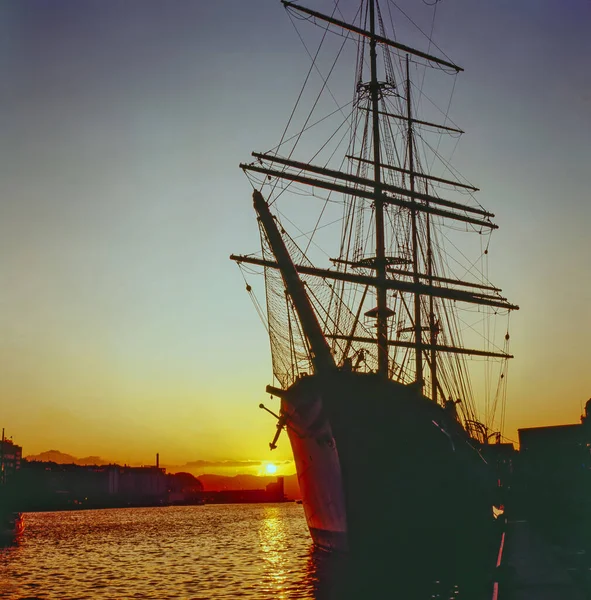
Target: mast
<point x="319" y="350"/>
<point x="386" y="187"/>
<point x="391" y="284"/>
<point x="415" y="249"/>
<point x="432" y="331"/>
<point x="382" y="309"/>
<point x="368" y="34"/>
<point x="416" y="274"/>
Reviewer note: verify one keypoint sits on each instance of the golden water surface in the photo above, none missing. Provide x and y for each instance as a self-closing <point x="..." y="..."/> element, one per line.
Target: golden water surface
<point x="251" y="551"/>
<point x="211" y="551"/>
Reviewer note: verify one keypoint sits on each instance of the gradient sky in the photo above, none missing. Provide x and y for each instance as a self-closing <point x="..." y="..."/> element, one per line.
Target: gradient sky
<point x="124" y="328"/>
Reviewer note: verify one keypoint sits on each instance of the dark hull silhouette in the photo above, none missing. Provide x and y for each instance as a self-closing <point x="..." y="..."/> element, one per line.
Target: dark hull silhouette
<point x="380" y="464"/>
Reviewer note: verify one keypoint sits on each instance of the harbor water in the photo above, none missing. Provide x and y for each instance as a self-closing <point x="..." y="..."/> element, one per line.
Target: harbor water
<point x="191" y="552"/>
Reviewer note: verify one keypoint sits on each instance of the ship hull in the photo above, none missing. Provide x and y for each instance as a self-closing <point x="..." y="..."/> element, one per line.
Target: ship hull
<point x="319" y="476"/>
<point x="380" y="465"/>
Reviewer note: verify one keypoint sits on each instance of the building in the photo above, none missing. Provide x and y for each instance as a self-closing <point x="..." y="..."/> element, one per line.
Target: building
<point x="10" y="459"/>
<point x="143" y="485"/>
<point x="52" y="486"/>
<point x="556" y="450"/>
<point x="276" y="491"/>
<point x="554" y="470"/>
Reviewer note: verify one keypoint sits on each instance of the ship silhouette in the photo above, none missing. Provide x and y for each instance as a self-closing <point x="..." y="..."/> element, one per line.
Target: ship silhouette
<point x="370" y="360"/>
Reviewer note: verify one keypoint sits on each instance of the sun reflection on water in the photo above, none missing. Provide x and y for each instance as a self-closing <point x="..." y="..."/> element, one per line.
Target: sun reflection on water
<point x="273" y="543"/>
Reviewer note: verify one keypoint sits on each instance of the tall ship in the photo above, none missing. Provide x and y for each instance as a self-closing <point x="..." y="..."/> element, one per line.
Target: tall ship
<point x="383" y="323"/>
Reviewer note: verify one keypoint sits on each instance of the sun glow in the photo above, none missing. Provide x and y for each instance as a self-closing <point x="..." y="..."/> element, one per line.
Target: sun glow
<point x="270" y="468"/>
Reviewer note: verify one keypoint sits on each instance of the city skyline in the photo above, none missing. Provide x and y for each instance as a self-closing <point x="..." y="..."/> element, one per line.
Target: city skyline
<point x="227" y="468"/>
<point x="125" y="328"/>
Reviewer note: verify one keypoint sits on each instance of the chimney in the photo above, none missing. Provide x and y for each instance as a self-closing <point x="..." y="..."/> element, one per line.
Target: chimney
<point x="157" y="460"/>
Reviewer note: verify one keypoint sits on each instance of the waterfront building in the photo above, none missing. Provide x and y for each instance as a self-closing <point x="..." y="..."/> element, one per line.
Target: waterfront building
<point x="554" y="470"/>
<point x="10" y="459"/>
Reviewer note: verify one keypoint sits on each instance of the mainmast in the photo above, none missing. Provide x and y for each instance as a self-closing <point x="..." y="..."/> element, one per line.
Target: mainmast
<point x="380" y="262"/>
<point x="415" y="242"/>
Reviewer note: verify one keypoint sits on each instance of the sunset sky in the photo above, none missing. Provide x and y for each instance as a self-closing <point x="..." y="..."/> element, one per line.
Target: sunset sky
<point x="124" y="328"/>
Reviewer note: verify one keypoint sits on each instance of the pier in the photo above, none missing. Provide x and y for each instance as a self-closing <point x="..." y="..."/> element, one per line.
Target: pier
<point x="529" y="567"/>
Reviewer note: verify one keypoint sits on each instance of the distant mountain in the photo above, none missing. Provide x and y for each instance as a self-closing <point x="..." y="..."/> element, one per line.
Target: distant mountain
<point x="67" y="459"/>
<point x="248" y="482"/>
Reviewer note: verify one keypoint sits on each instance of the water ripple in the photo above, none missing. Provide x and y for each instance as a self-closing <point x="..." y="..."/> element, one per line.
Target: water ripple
<point x="249" y="551"/>
<point x="212" y="551"/>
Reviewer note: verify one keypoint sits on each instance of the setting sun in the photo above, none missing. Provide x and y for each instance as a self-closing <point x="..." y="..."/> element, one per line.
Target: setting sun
<point x="271" y="468"/>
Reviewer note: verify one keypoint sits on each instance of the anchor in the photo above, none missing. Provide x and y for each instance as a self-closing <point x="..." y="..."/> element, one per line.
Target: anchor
<point x="281" y="420"/>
